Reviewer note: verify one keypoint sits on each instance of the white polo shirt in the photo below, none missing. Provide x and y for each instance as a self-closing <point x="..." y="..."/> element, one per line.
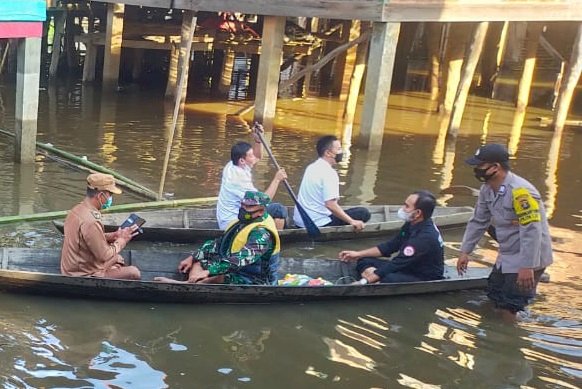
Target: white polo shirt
<point x="320" y="183"/>
<point x="235" y="182"/>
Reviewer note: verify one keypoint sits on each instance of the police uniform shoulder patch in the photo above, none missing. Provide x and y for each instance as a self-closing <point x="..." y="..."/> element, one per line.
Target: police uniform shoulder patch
<point x="408" y="251"/>
<point x="96" y="215"/>
<point x="526" y="207"/>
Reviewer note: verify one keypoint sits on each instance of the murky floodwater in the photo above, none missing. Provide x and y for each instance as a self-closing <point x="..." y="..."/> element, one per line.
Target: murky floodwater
<point x="448" y="340"/>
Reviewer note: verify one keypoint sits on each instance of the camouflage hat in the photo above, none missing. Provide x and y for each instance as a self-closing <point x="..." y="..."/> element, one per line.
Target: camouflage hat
<point x="100" y="181"/>
<point x="256" y="198"/>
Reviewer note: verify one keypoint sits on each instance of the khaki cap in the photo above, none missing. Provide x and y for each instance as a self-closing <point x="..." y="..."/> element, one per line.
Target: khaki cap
<point x="100" y="181"/>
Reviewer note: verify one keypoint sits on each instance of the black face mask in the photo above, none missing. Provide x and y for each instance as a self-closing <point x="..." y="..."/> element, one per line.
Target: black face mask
<point x="244" y="215"/>
<point x="481" y="174"/>
<point x="338" y="157"/>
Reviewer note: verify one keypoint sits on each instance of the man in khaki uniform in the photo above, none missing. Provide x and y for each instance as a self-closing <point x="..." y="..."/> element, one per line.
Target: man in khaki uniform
<point x="514" y="207"/>
<point x="87" y="249"/>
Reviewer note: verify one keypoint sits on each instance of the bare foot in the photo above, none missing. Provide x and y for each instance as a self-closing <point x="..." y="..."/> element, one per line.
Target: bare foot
<point x="168" y="280"/>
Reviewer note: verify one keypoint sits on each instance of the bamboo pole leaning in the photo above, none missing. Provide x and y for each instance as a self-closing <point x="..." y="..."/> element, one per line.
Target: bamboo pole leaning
<point x="131" y="207"/>
<point x="72" y="160"/>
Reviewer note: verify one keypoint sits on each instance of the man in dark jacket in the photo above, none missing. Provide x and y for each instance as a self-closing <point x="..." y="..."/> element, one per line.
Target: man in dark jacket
<point x="419" y="245"/>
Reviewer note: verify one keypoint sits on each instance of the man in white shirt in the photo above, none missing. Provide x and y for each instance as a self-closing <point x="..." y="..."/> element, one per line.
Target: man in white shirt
<point x="319" y="190"/>
<point x="237" y="179"/>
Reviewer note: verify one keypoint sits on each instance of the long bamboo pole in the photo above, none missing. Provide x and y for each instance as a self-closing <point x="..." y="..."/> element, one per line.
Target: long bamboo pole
<point x="116" y="208"/>
<point x="178" y="103"/>
<point x="83" y="164"/>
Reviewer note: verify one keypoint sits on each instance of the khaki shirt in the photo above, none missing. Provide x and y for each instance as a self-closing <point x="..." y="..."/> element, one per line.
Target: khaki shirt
<point x="519" y="217"/>
<point x="86" y="250"/>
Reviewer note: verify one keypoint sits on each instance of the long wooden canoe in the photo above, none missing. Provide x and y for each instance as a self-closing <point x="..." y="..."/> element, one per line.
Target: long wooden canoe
<point x="36" y="271"/>
<point x="189" y="225"/>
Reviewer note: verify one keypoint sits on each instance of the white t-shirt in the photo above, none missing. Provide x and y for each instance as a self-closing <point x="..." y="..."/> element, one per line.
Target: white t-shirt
<point x="320" y="183"/>
<point x="235" y="182"/>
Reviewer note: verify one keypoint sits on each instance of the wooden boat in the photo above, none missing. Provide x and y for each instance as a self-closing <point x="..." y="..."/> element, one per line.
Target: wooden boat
<point x="36" y="271"/>
<point x="189" y="225"/>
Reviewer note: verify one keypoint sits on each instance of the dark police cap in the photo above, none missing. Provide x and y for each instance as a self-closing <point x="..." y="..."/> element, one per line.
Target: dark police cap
<point x="492" y="153"/>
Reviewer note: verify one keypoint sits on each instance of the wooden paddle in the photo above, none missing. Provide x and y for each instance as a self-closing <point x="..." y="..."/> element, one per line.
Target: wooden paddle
<point x="312" y="229"/>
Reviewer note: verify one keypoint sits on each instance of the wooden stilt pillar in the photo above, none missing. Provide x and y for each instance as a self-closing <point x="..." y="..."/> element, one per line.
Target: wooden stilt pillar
<point x="340" y="65"/>
<point x="433" y="40"/>
<point x="269" y="69"/>
<point x="491" y="59"/>
<point x="350" y="61"/>
<point x="569" y="83"/>
<point x="531" y="47"/>
<point x="27" y="83"/>
<point x="406" y="38"/>
<point x="226" y="73"/>
<point x="183" y="62"/>
<point x="172" y="82"/>
<point x="307" y="81"/>
<point x="90" y="62"/>
<point x="355" y="86"/>
<point x="113" y="41"/>
<point x="378" y="80"/>
<point x="137" y="64"/>
<point x="59" y="27"/>
<point x="454" y="54"/>
<point x="467" y="77"/>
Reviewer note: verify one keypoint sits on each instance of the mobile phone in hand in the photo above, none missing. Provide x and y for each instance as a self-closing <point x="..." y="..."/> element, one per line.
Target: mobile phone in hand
<point x="133" y="219"/>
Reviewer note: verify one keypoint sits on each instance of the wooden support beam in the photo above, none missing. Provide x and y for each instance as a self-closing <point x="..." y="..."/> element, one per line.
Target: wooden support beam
<point x="350" y="60"/>
<point x="186" y="38"/>
<point x="434" y="34"/>
<point x="27" y="83"/>
<point x="137" y="64"/>
<point x="226" y="73"/>
<point x="467" y="77"/>
<point x="113" y="42"/>
<point x="453" y="64"/>
<point x="355" y="86"/>
<point x="269" y="69"/>
<point x="569" y="83"/>
<point x="59" y="27"/>
<point x="387" y="10"/>
<point x="492" y="54"/>
<point x="378" y="81"/>
<point x="90" y="61"/>
<point x="534" y="31"/>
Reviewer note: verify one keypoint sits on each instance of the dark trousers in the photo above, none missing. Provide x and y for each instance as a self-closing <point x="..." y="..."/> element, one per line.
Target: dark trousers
<point x="367" y="262"/>
<point x="503" y="290"/>
<point x="356" y="213"/>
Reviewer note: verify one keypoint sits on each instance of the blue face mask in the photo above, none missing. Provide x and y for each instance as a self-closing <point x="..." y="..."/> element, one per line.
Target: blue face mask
<point x="107" y="203"/>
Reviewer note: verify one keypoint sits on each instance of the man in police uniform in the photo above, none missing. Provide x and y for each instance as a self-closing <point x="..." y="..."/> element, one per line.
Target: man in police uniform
<point x="514" y="207"/>
<point x="247" y="252"/>
<point x="87" y="249"/>
<point x="419" y="245"/>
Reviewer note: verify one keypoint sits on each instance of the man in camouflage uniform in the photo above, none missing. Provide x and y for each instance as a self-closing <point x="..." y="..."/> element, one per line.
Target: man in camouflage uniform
<point x="514" y="207"/>
<point x="247" y="253"/>
<point x="87" y="249"/>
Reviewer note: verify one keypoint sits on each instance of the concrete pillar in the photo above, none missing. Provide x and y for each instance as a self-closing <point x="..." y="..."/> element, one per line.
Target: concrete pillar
<point x="188" y="27"/>
<point x="27" y="83"/>
<point x="378" y="81"/>
<point x="269" y="69"/>
<point x="113" y="41"/>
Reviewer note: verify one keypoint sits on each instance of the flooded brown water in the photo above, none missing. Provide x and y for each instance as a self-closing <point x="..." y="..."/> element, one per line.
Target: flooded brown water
<point x="447" y="340"/>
